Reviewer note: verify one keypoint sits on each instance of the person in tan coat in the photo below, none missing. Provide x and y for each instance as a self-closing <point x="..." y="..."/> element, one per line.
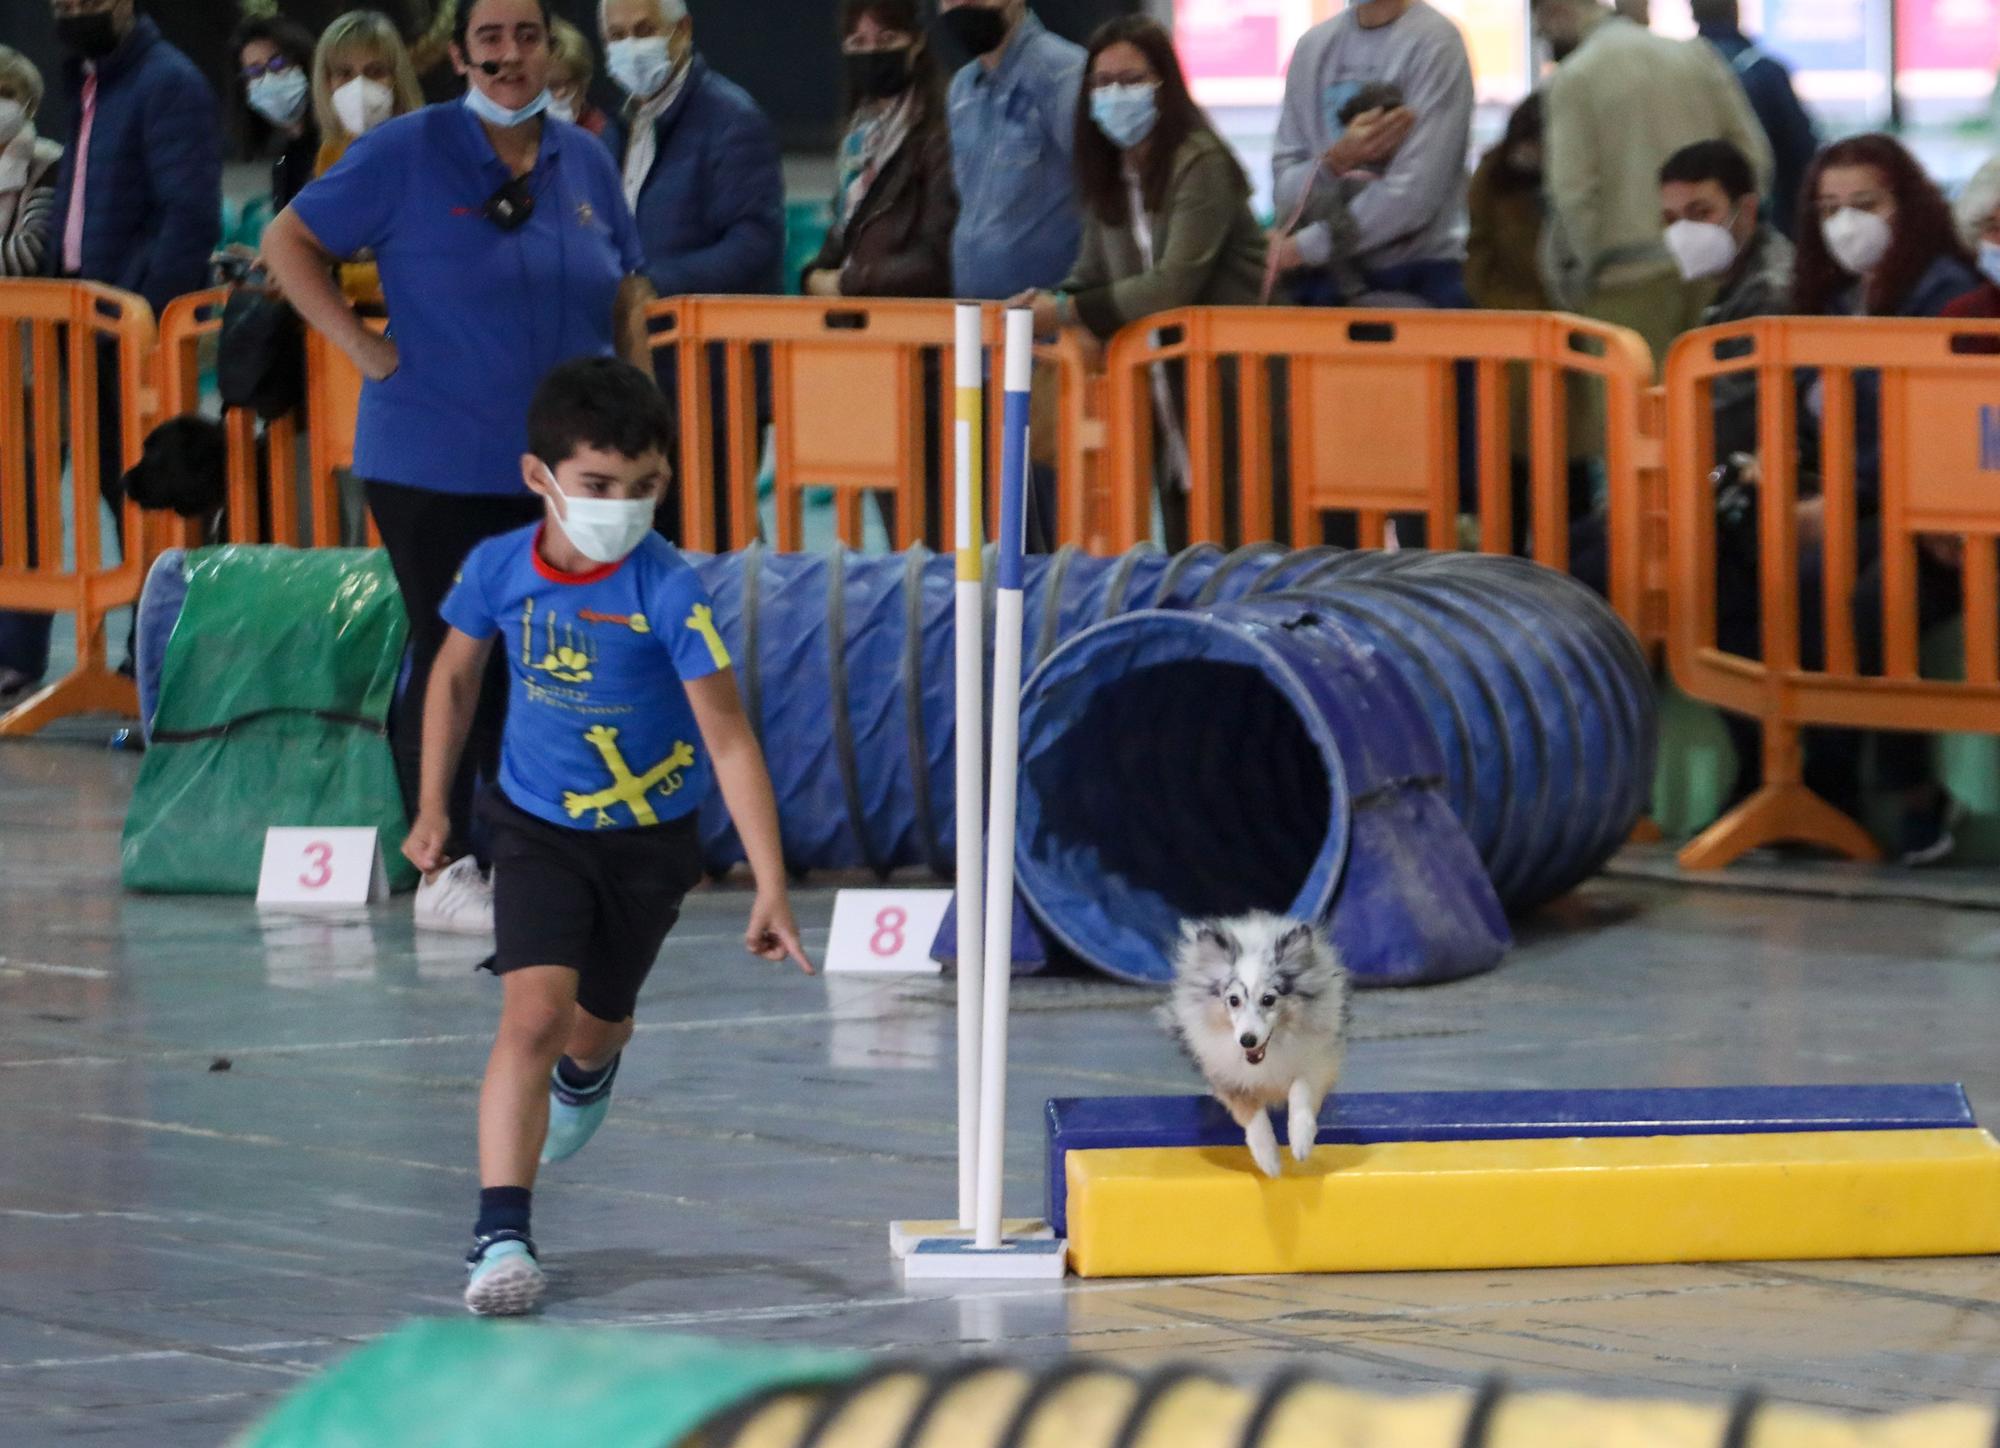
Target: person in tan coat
<point x="1622" y="100"/>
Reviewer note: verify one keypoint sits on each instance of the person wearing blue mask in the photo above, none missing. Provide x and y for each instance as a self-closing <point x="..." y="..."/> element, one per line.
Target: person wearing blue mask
<point x="506" y="248"/>
<point x="274" y="59"/>
<point x="1167" y="219"/>
<point x="1977" y="211"/>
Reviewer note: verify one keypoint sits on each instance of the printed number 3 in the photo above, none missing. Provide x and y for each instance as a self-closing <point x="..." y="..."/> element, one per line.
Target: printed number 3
<point x="889" y="927"/>
<point x="322" y="868"/>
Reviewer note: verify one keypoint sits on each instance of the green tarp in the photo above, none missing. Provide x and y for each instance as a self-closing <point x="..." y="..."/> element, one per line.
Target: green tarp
<point x="502" y="1384"/>
<point x="273" y="706"/>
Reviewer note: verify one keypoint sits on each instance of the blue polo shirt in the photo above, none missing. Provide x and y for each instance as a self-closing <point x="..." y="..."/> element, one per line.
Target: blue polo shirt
<point x="479" y="315"/>
<point x="600" y="735"/>
<point x="1013" y="139"/>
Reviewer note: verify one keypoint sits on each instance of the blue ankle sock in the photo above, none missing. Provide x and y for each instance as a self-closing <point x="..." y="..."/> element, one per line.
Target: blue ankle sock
<point x="503" y="1209"/>
<point x="585" y="1085"/>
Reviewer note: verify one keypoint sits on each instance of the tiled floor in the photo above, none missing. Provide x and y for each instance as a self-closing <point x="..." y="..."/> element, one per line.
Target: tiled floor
<point x="180" y="1245"/>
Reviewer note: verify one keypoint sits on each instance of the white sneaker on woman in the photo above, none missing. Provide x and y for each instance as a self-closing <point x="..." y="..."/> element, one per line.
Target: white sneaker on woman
<point x="459" y="900"/>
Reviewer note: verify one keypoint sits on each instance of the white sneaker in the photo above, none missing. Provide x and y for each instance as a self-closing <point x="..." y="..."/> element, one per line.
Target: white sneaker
<point x="459" y="901"/>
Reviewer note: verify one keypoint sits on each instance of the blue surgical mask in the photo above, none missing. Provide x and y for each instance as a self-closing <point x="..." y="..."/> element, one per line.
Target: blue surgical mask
<point x="1125" y="113"/>
<point x="279" y="96"/>
<point x="1989" y="261"/>
<point x="495" y="114"/>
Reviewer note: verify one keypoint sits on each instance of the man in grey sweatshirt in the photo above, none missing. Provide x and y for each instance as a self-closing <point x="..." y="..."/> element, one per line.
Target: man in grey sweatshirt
<point x="1408" y="225"/>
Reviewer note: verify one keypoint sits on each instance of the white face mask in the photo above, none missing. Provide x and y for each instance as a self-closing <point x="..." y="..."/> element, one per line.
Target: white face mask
<point x="279" y="98"/>
<point x="1989" y="261"/>
<point x="363" y="104"/>
<point x="498" y="116"/>
<point x="1701" y="248"/>
<point x="1857" y="239"/>
<point x="13" y="116"/>
<point x="604" y="530"/>
<point x="640" y="65"/>
<point x="562" y="110"/>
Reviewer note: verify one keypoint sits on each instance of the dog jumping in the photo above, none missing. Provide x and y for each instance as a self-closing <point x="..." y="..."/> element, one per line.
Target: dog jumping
<point x="1261" y="1005"/>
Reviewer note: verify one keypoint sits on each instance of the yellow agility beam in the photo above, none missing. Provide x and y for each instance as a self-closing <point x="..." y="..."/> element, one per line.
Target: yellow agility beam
<point x="1569" y="1202"/>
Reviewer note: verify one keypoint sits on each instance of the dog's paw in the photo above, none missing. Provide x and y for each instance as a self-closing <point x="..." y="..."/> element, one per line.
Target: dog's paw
<point x="1265" y="1153"/>
<point x="1303" y="1129"/>
<point x="1263" y="1144"/>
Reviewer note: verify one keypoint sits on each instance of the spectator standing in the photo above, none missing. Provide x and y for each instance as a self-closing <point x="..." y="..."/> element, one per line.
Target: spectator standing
<point x="1768" y="85"/>
<point x="702" y="170"/>
<point x="138" y="206"/>
<point x="1013" y="143"/>
<point x="1504" y="214"/>
<point x="1408" y="225"/>
<point x="274" y="101"/>
<point x="505" y="248"/>
<point x="362" y="77"/>
<point x="1167" y="220"/>
<point x="1978" y="216"/>
<point x="27" y="173"/>
<point x="27" y="222"/>
<point x="895" y="204"/>
<point x="572" y="69"/>
<point x="1622" y="100"/>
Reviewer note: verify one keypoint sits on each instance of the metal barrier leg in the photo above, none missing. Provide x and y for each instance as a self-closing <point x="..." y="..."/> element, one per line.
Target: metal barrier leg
<point x="1783" y="810"/>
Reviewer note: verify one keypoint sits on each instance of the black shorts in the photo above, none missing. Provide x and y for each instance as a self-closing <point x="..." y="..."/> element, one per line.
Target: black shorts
<point x="597" y="901"/>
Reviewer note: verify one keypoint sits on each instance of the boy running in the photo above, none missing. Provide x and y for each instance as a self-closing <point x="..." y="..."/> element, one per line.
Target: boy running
<point x="623" y="712"/>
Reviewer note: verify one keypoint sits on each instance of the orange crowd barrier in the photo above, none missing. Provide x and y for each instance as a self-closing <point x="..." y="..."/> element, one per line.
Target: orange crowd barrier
<point x="1939" y="417"/>
<point x="1371" y="415"/>
<point x="56" y="337"/>
<point x="268" y="499"/>
<point x="848" y="381"/>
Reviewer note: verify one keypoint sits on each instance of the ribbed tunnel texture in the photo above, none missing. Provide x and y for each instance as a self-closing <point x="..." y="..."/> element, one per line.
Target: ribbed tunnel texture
<point x="1183" y="789"/>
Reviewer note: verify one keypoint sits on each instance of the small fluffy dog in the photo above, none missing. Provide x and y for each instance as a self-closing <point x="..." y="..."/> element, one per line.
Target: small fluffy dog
<point x="1261" y="1003"/>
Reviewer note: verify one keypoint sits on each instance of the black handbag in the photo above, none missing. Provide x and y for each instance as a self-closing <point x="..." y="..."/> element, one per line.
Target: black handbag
<point x="260" y="358"/>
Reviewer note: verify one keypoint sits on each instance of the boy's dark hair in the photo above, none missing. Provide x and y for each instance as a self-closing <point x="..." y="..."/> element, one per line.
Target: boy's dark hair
<point x="1717" y="161"/>
<point x="598" y="402"/>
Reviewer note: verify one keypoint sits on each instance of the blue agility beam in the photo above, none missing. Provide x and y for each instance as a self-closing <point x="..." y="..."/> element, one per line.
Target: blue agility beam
<point x="1096" y="1122"/>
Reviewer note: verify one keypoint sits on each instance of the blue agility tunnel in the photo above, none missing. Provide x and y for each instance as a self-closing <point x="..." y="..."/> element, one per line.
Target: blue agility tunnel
<point x="1398" y="744"/>
<point x="1405" y="746"/>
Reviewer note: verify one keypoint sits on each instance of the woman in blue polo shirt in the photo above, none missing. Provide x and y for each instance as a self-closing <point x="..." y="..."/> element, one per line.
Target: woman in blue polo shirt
<point x="505" y="247"/>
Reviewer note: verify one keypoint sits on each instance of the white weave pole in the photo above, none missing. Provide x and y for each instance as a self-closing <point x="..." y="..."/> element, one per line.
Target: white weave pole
<point x="970" y="743"/>
<point x="1006" y="768"/>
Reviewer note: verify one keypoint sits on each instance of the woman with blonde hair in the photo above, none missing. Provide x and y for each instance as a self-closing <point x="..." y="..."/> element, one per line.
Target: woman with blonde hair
<point x="362" y="76"/>
<point x="574" y="67"/>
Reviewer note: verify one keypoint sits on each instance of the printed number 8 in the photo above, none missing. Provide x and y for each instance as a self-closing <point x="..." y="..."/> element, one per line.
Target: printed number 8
<point x="322" y="867"/>
<point x="889" y="926"/>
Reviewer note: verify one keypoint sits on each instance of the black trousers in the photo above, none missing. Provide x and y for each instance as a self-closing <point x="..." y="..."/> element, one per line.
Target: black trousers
<point x="427" y="535"/>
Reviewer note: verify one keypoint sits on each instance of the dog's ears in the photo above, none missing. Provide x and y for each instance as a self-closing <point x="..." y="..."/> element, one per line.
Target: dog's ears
<point x="1298" y="939"/>
<point x="1209" y="935"/>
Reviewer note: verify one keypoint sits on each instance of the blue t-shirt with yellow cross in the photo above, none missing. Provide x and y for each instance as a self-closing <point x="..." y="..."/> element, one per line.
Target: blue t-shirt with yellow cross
<point x="599" y="732"/>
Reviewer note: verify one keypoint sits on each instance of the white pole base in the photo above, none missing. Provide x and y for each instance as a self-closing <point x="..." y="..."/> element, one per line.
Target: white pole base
<point x="949" y="1259"/>
<point x="904" y="1236"/>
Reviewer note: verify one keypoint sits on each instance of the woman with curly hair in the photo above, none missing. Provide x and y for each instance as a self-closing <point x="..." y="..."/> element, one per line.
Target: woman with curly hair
<point x="1879" y="241"/>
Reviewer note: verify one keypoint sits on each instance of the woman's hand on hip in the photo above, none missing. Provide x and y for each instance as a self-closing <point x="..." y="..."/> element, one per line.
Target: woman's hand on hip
<point x="375" y="355"/>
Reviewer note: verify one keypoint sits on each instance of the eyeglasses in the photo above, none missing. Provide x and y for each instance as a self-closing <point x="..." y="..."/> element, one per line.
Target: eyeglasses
<point x="276" y="65"/>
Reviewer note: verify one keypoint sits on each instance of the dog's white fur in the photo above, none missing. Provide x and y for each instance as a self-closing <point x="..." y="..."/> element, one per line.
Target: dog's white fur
<point x="1261" y="1003"/>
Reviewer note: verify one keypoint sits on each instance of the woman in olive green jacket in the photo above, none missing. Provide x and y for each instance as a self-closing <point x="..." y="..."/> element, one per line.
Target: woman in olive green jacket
<point x="1167" y="220"/>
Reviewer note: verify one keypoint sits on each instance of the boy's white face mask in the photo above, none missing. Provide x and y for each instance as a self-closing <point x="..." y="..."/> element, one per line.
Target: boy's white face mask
<point x="604" y="530"/>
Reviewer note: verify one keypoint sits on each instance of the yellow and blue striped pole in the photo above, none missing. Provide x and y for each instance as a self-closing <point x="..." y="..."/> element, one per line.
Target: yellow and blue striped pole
<point x="970" y="743"/>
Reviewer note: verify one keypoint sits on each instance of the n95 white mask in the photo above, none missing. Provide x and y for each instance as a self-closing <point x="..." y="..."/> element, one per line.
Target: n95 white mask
<point x="363" y="104"/>
<point x="604" y="530"/>
<point x="1858" y="239"/>
<point x="1700" y="248"/>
